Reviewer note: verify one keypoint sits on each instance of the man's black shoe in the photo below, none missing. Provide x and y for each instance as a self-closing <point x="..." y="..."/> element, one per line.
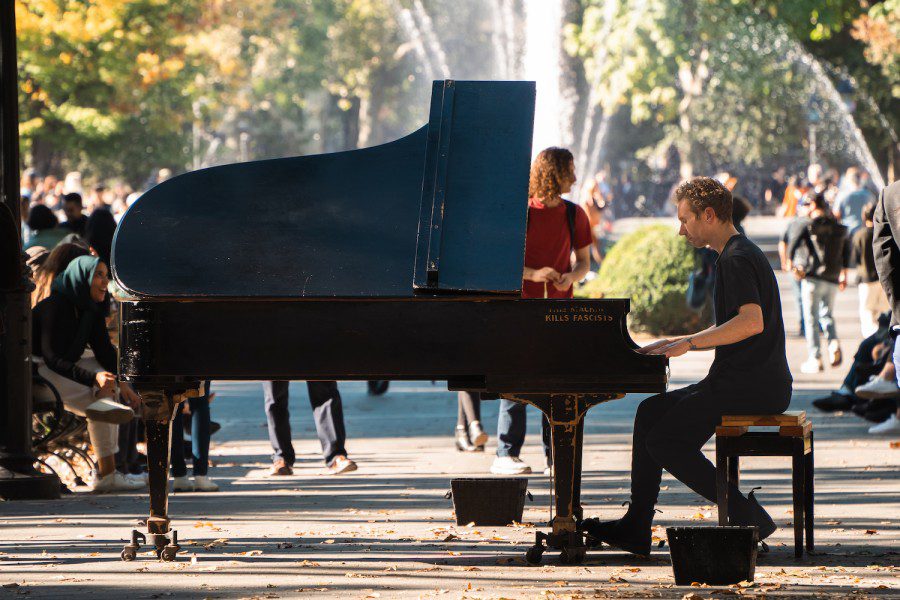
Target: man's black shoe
<point x="834" y="402"/>
<point x="631" y="533"/>
<point x="751" y="514"/>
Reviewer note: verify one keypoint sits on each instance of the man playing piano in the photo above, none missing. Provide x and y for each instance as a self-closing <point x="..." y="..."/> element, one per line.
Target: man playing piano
<point x="749" y="375"/>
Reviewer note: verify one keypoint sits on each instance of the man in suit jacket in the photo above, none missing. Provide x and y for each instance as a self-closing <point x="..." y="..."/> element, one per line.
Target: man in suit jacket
<point x="887" y="263"/>
<point x="887" y="251"/>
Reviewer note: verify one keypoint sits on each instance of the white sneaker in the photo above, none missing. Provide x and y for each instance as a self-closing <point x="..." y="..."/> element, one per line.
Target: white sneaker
<point x="142" y="478"/>
<point x="202" y="483"/>
<point x="889" y="427"/>
<point x="509" y="465"/>
<point x="115" y="482"/>
<point x="182" y="484"/>
<point x="105" y="410"/>
<point x="812" y="366"/>
<point x="876" y="388"/>
<point x="548" y="471"/>
<point x="476" y="434"/>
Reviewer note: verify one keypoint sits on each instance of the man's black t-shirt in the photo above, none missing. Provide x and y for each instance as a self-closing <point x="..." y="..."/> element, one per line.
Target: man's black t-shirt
<point x="757" y="364"/>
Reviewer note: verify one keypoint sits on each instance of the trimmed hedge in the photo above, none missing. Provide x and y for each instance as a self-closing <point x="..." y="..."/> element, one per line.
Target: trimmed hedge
<point x="650" y="266"/>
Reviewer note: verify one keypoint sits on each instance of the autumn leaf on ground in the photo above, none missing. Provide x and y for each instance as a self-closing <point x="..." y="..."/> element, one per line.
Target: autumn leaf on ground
<point x="871" y="531"/>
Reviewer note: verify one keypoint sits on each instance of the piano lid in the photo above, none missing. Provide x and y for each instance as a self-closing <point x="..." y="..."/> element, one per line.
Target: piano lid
<point x="444" y="207"/>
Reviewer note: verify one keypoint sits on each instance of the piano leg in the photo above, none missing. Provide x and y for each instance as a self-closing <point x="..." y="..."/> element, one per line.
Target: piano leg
<point x="158" y="410"/>
<point x="566" y="415"/>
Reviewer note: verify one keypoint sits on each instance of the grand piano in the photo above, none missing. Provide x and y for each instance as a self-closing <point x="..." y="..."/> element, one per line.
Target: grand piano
<point x="402" y="261"/>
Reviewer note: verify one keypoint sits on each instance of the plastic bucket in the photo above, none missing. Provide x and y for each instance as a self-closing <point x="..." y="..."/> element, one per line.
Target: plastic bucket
<point x="488" y="500"/>
<point x="713" y="555"/>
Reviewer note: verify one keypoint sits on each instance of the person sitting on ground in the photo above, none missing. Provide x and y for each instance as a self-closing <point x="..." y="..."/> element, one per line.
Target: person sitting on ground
<point x="828" y="254"/>
<point x="890" y="425"/>
<point x="73" y="208"/>
<point x="870" y="360"/>
<point x="66" y="323"/>
<point x="328" y="413"/>
<point x="42" y="228"/>
<point x="749" y="375"/>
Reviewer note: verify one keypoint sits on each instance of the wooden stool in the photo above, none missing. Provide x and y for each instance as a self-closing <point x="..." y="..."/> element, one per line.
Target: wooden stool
<point x="794" y="438"/>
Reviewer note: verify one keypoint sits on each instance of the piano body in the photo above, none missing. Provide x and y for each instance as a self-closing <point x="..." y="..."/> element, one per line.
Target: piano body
<point x="402" y="261"/>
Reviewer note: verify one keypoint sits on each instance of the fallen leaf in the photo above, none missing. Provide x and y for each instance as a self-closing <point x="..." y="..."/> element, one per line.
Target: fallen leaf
<point x="871" y="531"/>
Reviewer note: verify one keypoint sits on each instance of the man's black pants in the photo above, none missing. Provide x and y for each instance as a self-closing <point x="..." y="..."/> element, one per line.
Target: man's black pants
<point x="328" y="413"/>
<point x="671" y="428"/>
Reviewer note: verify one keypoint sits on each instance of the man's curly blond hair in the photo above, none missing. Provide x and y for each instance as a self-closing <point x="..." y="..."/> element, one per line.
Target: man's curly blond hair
<point x="548" y="171"/>
<point x="705" y="192"/>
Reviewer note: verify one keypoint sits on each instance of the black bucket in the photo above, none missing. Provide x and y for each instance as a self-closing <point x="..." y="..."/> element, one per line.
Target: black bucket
<point x="713" y="555"/>
<point x="489" y="500"/>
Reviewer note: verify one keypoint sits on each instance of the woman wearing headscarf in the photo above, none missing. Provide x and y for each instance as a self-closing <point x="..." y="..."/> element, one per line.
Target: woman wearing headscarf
<point x="66" y="323"/>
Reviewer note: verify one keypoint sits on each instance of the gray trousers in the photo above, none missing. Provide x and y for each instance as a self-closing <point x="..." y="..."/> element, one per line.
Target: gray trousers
<point x="328" y="413"/>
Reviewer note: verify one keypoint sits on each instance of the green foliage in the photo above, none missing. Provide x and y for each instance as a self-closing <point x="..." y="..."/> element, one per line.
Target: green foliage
<point x="879" y="29"/>
<point x="650" y="266"/>
<point x="102" y="83"/>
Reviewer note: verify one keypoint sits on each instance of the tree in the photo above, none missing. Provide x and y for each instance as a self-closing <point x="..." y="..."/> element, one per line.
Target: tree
<point x="879" y="29"/>
<point x="102" y="84"/>
<point x="710" y="73"/>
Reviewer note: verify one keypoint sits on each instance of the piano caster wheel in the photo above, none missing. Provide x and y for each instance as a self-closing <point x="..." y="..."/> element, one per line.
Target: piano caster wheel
<point x="572" y="556"/>
<point x="534" y="554"/>
<point x="169" y="553"/>
<point x="129" y="552"/>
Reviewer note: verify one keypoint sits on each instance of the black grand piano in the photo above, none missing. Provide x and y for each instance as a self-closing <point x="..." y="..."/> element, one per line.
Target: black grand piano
<point x="403" y="261"/>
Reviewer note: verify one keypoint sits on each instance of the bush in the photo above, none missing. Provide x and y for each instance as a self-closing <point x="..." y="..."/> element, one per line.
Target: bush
<point x="650" y="266"/>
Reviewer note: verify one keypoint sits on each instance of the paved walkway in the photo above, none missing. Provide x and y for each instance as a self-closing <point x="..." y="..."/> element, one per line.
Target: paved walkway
<point x="386" y="530"/>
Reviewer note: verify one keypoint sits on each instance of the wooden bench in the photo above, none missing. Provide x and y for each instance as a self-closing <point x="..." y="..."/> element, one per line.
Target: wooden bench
<point x="794" y="438"/>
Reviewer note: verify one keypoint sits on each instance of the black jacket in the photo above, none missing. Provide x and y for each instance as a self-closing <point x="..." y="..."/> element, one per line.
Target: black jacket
<point x="887" y="253"/>
<point x="54" y="327"/>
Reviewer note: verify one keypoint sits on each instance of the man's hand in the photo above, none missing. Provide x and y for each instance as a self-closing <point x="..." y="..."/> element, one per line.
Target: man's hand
<point x="545" y="275"/>
<point x="650" y="348"/>
<point x="128" y="395"/>
<point x="565" y="281"/>
<point x="676" y="348"/>
<point x="106" y="382"/>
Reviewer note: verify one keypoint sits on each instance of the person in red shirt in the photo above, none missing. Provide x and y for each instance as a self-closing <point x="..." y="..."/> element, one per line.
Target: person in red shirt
<point x="557" y="229"/>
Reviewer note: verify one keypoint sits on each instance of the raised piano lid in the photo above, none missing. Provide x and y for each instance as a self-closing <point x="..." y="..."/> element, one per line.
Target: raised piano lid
<point x="450" y="199"/>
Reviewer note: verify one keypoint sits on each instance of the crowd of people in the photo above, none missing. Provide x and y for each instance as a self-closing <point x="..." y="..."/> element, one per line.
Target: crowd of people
<point x="68" y="240"/>
<point x="68" y="235"/>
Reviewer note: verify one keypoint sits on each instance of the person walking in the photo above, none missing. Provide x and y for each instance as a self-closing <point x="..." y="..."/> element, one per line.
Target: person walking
<point x="556" y="230"/>
<point x="328" y="413"/>
<point x="795" y="227"/>
<point x="749" y="375"/>
<point x="200" y="434"/>
<point x="850" y="204"/>
<point x="823" y="274"/>
<point x="470" y="437"/>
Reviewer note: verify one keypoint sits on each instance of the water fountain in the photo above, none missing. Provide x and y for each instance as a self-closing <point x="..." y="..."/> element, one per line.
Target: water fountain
<point x="531" y="48"/>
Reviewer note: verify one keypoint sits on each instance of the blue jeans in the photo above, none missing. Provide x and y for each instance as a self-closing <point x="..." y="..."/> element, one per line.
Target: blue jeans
<point x="818" y="308"/>
<point x="798" y="297"/>
<point x="511" y="423"/>
<point x="897" y="361"/>
<point x="200" y="425"/>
